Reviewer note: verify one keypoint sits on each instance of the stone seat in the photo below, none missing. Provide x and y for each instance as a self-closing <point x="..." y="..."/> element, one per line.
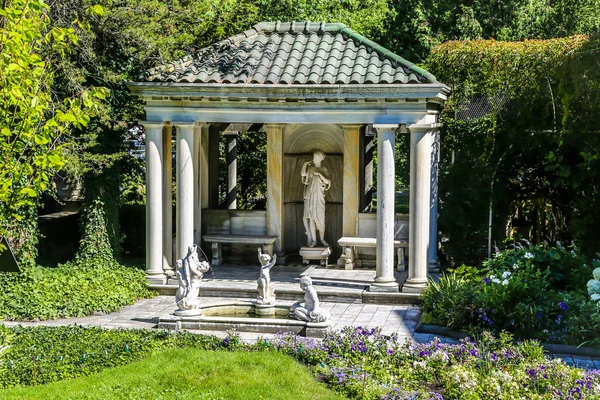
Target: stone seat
<point x="350" y="243"/>
<point x="265" y="241"/>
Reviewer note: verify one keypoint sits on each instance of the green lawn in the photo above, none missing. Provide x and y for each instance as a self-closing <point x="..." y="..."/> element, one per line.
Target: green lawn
<point x="190" y="374"/>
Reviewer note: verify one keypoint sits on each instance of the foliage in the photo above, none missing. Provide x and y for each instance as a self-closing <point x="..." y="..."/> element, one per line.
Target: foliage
<point x="420" y="25"/>
<point x="358" y="363"/>
<point x="191" y="374"/>
<point x="526" y="162"/>
<point x="363" y="363"/>
<point x="47" y="354"/>
<point x="75" y="289"/>
<point x="33" y="124"/>
<point x="95" y="243"/>
<point x="534" y="292"/>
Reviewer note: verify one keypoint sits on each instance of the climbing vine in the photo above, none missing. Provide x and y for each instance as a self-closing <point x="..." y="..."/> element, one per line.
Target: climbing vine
<point x="520" y="149"/>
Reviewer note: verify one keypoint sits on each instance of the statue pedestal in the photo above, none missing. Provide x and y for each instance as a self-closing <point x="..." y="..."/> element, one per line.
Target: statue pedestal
<point x="315" y="253"/>
<point x="264" y="310"/>
<point x="188" y="313"/>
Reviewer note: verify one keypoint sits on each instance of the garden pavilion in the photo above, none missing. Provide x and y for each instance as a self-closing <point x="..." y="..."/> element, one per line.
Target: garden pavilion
<point x="306" y="86"/>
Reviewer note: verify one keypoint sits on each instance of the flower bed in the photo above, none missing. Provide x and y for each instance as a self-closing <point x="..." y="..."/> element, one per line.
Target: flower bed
<point x="357" y="362"/>
<point x="534" y="293"/>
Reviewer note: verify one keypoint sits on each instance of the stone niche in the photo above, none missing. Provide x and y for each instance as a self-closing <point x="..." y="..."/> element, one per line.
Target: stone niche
<point x="300" y="141"/>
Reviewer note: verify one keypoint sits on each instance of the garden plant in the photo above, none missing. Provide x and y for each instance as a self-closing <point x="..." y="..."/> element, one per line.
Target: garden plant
<point x="356" y="362"/>
<point x="534" y="292"/>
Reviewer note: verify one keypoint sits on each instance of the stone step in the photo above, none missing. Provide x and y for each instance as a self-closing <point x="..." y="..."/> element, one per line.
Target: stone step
<point x="292" y="292"/>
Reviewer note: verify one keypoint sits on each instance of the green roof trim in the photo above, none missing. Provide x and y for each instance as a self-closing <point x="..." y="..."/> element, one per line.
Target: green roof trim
<point x="387" y="53"/>
<point x="286" y="53"/>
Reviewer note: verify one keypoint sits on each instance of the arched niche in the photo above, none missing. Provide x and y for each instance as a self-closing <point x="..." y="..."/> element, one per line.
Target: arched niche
<point x="300" y="141"/>
<point x="304" y="139"/>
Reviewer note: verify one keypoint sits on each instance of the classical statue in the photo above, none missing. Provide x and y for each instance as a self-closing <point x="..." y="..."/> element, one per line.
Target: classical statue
<point x="316" y="179"/>
<point x="310" y="310"/>
<point x="266" y="291"/>
<point x="190" y="271"/>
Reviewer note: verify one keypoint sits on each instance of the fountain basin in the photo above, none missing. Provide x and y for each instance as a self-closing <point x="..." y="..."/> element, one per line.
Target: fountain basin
<point x="243" y="317"/>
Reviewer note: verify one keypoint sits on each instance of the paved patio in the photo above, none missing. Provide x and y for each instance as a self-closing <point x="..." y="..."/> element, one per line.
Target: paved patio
<point x="400" y="319"/>
<point x="344" y="293"/>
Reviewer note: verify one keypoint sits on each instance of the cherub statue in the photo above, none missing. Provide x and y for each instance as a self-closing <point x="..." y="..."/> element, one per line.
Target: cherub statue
<point x="190" y="271"/>
<point x="266" y="291"/>
<point x="593" y="286"/>
<point x="310" y="310"/>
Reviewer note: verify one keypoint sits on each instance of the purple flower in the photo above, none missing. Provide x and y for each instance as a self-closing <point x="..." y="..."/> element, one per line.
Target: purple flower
<point x="486" y="281"/>
<point x="226" y="341"/>
<point x="563" y="306"/>
<point x="531" y="372"/>
<point x="473" y="352"/>
<point x="390" y="352"/>
<point x="539" y="314"/>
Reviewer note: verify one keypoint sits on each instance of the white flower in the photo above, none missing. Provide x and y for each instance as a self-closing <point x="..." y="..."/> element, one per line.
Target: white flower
<point x="505" y="282"/>
<point x="528" y="255"/>
<point x="515" y="266"/>
<point x="495" y="280"/>
<point x="492" y="277"/>
<point x="596" y="274"/>
<point x="506" y="274"/>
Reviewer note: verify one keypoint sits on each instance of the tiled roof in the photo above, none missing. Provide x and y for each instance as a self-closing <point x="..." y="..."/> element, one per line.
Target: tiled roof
<point x="292" y="53"/>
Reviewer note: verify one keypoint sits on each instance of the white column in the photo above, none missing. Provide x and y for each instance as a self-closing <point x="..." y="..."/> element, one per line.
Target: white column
<point x="167" y="201"/>
<point x="351" y="179"/>
<point x="204" y="167"/>
<point x="185" y="188"/>
<point x="275" y="187"/>
<point x="433" y="263"/>
<point x="384" y="276"/>
<point x="420" y="188"/>
<point x="197" y="185"/>
<point x="154" y="206"/>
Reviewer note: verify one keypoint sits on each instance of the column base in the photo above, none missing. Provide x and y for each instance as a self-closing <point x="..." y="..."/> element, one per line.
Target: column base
<point x="282" y="258"/>
<point x="389" y="287"/>
<point x="413" y="287"/>
<point x="156" y="279"/>
<point x="433" y="267"/>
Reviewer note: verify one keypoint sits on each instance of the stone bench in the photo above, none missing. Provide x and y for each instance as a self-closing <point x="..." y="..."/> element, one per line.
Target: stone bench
<point x="349" y="245"/>
<point x="266" y="242"/>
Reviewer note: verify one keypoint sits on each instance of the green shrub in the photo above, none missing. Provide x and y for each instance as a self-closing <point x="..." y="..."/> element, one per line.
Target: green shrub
<point x="357" y="362"/>
<point x="568" y="269"/>
<point x="536" y="292"/>
<point x="45" y="354"/>
<point x="74" y="289"/>
<point x="450" y="302"/>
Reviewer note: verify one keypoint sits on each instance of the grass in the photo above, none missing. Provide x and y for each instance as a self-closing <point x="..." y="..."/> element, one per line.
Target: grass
<point x="190" y="374"/>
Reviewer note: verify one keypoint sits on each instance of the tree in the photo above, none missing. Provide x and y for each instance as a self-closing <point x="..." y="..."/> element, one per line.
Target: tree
<point x="33" y="124"/>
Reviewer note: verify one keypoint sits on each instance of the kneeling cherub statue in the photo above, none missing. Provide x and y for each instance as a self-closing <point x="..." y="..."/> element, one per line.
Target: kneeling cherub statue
<point x="310" y="310"/>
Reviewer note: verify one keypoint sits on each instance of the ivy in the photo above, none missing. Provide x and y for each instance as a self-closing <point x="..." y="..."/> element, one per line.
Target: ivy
<point x="531" y="163"/>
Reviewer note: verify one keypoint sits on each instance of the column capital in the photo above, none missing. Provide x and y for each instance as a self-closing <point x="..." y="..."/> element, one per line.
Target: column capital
<point x="274" y="126"/>
<point x="391" y="127"/>
<point x="187" y="124"/>
<point x="424" y="128"/>
<point x="153" y="124"/>
<point x="351" y="126"/>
